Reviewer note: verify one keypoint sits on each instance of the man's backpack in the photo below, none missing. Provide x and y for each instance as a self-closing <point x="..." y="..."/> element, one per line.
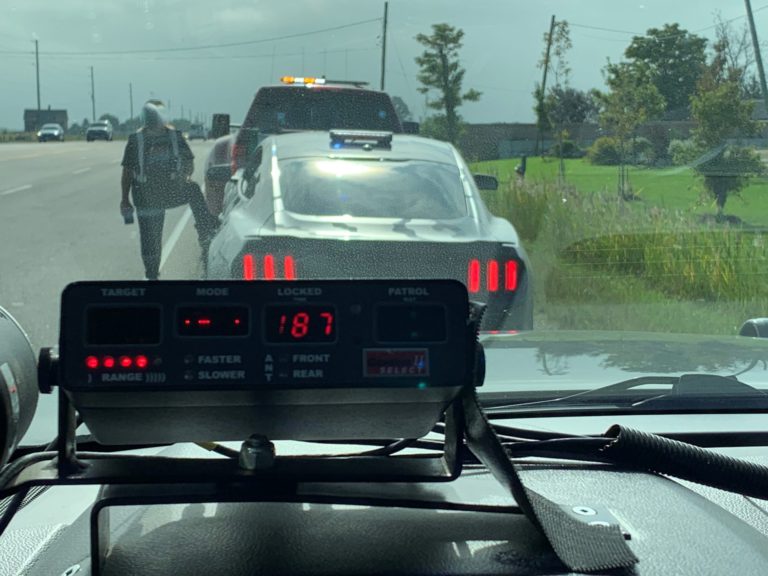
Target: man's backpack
<point x="172" y="192"/>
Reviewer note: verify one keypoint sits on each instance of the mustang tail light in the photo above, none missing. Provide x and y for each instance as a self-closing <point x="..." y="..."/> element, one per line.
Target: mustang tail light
<point x="272" y="267"/>
<point x="496" y="275"/>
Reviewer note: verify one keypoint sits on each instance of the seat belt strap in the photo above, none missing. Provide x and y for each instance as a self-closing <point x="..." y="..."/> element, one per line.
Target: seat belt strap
<point x="583" y="543"/>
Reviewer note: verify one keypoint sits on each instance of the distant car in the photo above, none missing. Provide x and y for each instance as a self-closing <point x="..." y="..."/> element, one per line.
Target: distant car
<point x="197" y="132"/>
<point x="50" y="132"/>
<point x="101" y="130"/>
<point x="362" y="204"/>
<point x="298" y="104"/>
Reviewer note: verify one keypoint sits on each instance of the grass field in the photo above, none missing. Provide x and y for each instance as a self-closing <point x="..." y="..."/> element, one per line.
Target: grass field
<point x="649" y="264"/>
<point x="674" y="188"/>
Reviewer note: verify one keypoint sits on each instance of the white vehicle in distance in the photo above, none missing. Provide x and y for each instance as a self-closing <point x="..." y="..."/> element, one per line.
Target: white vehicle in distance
<point x="101" y="130"/>
<point x="50" y="132"/>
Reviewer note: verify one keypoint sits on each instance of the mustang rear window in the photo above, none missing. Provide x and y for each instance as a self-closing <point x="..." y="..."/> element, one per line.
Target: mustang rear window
<point x="335" y="187"/>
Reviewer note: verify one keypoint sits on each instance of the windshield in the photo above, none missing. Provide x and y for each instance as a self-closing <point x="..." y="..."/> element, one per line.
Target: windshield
<point x="335" y="187"/>
<point x="619" y="149"/>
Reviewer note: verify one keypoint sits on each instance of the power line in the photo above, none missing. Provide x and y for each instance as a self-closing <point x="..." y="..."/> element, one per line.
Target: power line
<point x="221" y="45"/>
<point x="630" y="33"/>
<point x="204" y="56"/>
<point x="601" y="29"/>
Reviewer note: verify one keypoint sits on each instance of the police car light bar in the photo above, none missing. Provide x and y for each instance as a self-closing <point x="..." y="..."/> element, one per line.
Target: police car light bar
<point x="302" y="80"/>
<point x="379" y="139"/>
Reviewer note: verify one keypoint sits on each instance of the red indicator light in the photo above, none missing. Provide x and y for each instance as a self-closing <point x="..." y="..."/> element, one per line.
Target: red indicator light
<point x="203" y="321"/>
<point x="290" y="268"/>
<point x="141" y="362"/>
<point x="269" y="267"/>
<point x="126" y="361"/>
<point x="510" y="276"/>
<point x="187" y="322"/>
<point x="492" y="275"/>
<point x="92" y="362"/>
<point x="108" y="362"/>
<point x="237" y="321"/>
<point x="249" y="268"/>
<point x="473" y="276"/>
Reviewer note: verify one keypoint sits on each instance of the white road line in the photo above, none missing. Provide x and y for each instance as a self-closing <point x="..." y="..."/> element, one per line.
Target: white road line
<point x="81" y="171"/>
<point x="14" y="190"/>
<point x="174" y="237"/>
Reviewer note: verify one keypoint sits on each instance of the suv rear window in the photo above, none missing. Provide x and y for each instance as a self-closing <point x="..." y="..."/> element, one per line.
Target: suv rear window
<point x="301" y="108"/>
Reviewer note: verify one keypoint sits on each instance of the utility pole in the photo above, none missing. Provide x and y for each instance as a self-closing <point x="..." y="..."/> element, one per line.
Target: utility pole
<point x="93" y="99"/>
<point x="758" y="57"/>
<point x="37" y="74"/>
<point x="540" y="135"/>
<point x="130" y="95"/>
<point x="384" y="44"/>
<point x="272" y="67"/>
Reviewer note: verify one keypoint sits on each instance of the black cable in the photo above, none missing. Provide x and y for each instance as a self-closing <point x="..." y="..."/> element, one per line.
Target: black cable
<point x="652" y="453"/>
<point x="389" y="449"/>
<point x="14" y="468"/>
<point x="522" y="433"/>
<point x="13" y="507"/>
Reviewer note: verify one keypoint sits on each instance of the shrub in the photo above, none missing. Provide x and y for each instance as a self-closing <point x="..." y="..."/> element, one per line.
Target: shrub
<point x="683" y="152"/>
<point x="641" y="152"/>
<point x="605" y="152"/>
<point x="570" y="150"/>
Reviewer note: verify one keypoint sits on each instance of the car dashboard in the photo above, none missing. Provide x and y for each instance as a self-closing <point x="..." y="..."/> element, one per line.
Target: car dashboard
<point x="351" y="438"/>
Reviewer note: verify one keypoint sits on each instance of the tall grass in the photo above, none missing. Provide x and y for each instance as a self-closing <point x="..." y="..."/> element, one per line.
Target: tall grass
<point x="603" y="263"/>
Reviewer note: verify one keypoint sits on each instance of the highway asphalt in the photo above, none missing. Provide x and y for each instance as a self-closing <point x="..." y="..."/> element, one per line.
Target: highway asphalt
<point x="60" y="222"/>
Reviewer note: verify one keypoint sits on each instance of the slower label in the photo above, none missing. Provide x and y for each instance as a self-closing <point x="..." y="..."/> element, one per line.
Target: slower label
<point x="221" y="375"/>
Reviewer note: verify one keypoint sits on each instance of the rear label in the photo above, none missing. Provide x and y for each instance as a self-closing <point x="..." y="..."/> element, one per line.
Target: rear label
<point x="397" y="362"/>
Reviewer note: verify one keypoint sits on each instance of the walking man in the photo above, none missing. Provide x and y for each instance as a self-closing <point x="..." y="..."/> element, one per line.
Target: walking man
<point x="157" y="166"/>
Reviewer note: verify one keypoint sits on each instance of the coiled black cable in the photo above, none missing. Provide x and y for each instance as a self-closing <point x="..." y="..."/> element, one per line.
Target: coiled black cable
<point x="652" y="453"/>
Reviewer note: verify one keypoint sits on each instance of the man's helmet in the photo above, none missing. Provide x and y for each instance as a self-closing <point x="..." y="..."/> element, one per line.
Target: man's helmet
<point x="153" y="114"/>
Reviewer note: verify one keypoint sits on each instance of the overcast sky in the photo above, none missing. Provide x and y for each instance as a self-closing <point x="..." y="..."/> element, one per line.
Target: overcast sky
<point x="502" y="44"/>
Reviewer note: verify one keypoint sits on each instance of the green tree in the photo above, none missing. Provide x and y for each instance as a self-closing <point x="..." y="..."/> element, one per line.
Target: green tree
<point x="722" y="115"/>
<point x="553" y="57"/>
<point x="567" y="106"/>
<point x="111" y="118"/>
<point x="553" y="109"/>
<point x="675" y="59"/>
<point x="403" y="112"/>
<point x="633" y="99"/>
<point x="737" y="56"/>
<point x="436" y="126"/>
<point x="441" y="72"/>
